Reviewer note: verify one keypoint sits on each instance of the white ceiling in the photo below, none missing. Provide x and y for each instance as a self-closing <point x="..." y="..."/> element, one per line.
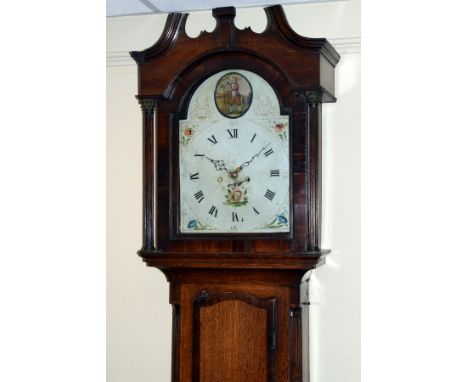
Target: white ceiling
<point x="139" y="7"/>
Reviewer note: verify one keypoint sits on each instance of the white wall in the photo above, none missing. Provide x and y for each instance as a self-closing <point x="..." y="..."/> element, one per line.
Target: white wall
<point x="139" y="314"/>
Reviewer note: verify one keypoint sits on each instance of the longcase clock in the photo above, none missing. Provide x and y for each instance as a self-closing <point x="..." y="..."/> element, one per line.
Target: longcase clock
<point x="231" y="191"/>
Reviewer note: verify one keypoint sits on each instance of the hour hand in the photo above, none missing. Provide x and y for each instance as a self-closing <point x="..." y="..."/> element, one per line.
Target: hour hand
<point x="218" y="164"/>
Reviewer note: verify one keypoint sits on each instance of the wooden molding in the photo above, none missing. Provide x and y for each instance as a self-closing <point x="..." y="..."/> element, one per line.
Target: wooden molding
<point x="343" y="45"/>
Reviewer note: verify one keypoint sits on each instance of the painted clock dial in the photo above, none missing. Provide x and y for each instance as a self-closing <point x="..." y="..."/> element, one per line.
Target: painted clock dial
<point x="234" y="158"/>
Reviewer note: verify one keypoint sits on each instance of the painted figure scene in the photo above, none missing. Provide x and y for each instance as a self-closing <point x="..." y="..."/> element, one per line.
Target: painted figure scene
<point x="233" y="95"/>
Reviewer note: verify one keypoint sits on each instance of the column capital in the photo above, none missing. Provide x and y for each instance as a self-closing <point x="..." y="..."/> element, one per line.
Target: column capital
<point x="314" y="97"/>
<point x="148" y="104"/>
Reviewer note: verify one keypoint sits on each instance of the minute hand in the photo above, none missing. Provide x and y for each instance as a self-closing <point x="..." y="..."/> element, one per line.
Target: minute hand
<point x="245" y="164"/>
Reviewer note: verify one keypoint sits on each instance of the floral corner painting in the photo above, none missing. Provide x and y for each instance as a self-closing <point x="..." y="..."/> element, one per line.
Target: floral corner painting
<point x="233" y="95"/>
